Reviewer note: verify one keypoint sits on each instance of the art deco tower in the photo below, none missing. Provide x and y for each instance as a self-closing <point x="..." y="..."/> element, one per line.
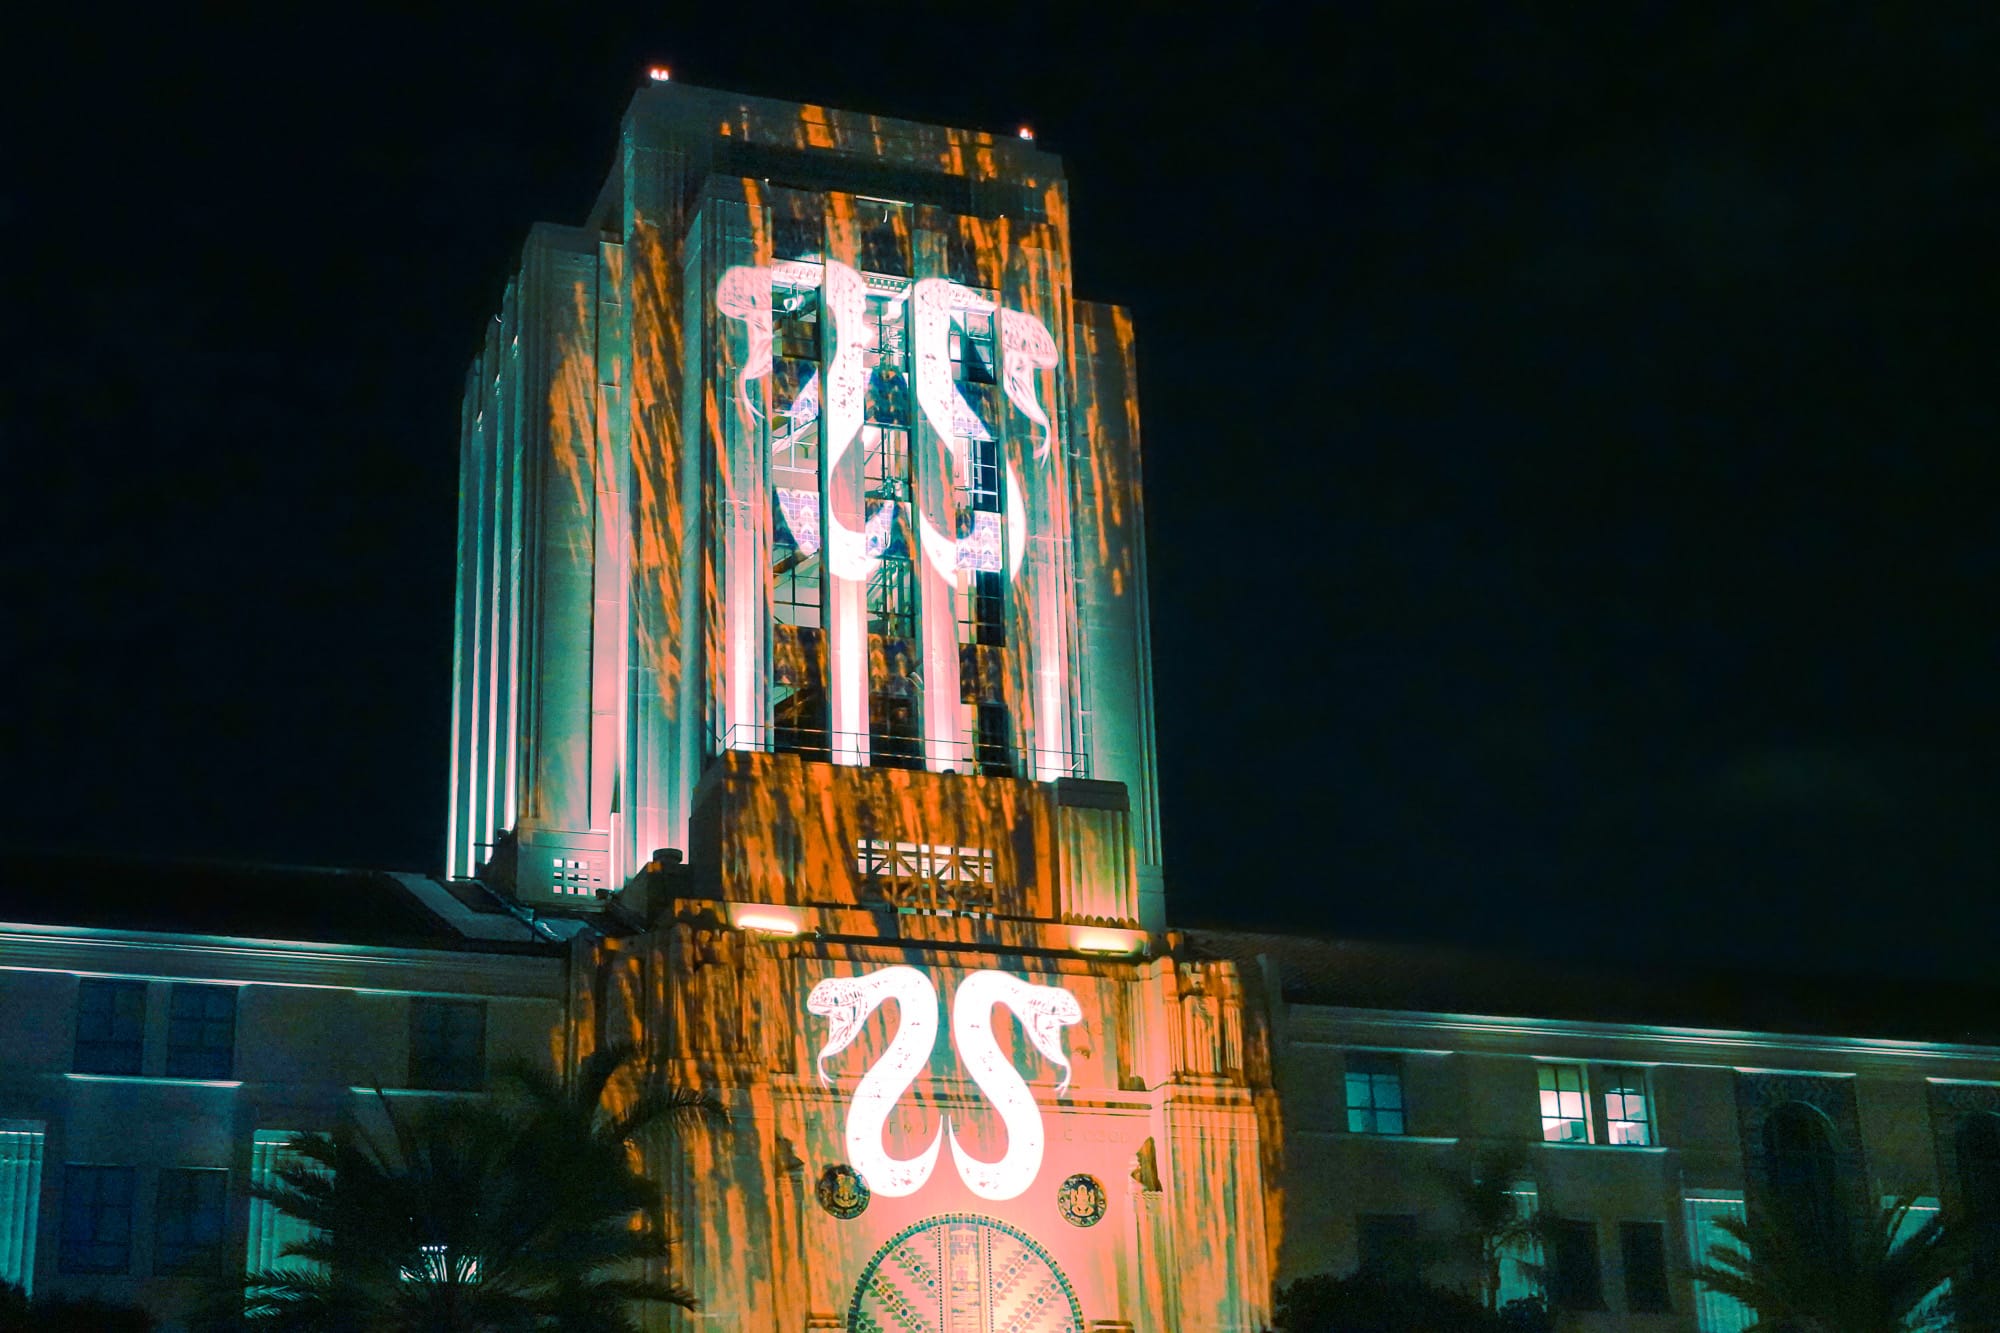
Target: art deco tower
<point x="797" y="473"/>
<point x="800" y="533"/>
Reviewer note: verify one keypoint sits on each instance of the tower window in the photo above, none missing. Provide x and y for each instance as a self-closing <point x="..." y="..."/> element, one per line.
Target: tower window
<point x="973" y="356"/>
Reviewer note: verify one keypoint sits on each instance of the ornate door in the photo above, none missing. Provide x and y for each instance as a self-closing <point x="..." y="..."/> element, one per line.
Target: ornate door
<point x="962" y="1273"/>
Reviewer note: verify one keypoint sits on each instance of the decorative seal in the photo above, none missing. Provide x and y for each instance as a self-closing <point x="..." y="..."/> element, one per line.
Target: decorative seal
<point x="1082" y="1200"/>
<point x="842" y="1192"/>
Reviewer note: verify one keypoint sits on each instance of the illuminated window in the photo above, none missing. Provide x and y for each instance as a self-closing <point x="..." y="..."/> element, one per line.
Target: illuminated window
<point x="272" y="1231"/>
<point x="1643" y="1248"/>
<point x="983" y="612"/>
<point x="1564" y="1119"/>
<point x="21" y="1143"/>
<point x="201" y="1032"/>
<point x="1714" y="1311"/>
<point x="1627" y="1109"/>
<point x="96" y="1220"/>
<point x="1374" y="1093"/>
<point x="795" y="314"/>
<point x="885" y="354"/>
<point x="1575" y="1279"/>
<point x="190" y="1216"/>
<point x="1930" y="1312"/>
<point x="447" y="1044"/>
<point x="973" y="358"/>
<point x="895" y="703"/>
<point x="1521" y="1260"/>
<point x="110" y="1026"/>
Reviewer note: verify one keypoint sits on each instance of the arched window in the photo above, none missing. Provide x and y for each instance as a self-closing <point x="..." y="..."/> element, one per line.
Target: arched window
<point x="1805" y="1190"/>
<point x="1979" y="1165"/>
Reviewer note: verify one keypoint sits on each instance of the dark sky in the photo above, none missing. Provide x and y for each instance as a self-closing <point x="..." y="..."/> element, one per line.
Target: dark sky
<point x="1570" y="438"/>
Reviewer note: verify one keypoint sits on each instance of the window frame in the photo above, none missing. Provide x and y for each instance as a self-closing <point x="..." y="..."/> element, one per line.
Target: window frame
<point x="1618" y="1084"/>
<point x="97" y="1046"/>
<point x="67" y="1260"/>
<point x="1554" y="1070"/>
<point x="1375" y="1067"/>
<point x="198" y="1059"/>
<point x="1627" y="1229"/>
<point x="183" y="1254"/>
<point x="1565" y="1291"/>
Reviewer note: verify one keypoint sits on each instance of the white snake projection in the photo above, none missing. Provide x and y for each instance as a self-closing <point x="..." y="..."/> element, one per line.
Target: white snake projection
<point x="846" y="1003"/>
<point x="1026" y="346"/>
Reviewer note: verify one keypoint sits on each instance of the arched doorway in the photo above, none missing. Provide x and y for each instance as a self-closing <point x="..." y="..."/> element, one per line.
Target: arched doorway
<point x="963" y="1273"/>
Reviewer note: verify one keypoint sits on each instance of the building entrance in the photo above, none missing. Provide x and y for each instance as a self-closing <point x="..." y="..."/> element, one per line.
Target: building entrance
<point x="962" y="1273"/>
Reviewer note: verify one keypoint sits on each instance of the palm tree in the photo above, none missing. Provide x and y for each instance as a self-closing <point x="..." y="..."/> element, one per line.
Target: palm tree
<point x="1492" y="1223"/>
<point x="524" y="1213"/>
<point x="1886" y="1282"/>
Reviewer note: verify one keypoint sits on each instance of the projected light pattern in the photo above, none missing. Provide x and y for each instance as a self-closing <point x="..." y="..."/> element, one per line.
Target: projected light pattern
<point x="745" y="294"/>
<point x="846" y="1002"/>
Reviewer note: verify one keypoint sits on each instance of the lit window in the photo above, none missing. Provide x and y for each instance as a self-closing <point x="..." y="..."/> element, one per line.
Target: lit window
<point x="110" y="1026"/>
<point x="1563" y="1117"/>
<point x="1374" y="1093"/>
<point x="447" y="1044"/>
<point x="273" y="1231"/>
<point x="201" y="1032"/>
<point x="1628" y="1117"/>
<point x="191" y="1214"/>
<point x="1714" y="1311"/>
<point x="973" y="360"/>
<point x="20" y="1199"/>
<point x="96" y="1220"/>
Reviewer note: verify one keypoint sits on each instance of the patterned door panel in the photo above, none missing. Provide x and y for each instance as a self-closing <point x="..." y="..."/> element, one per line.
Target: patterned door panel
<point x="961" y="1273"/>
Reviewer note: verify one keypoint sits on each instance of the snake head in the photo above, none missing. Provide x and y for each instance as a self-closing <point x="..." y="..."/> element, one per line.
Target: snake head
<point x="841" y="1001"/>
<point x="1050" y="1009"/>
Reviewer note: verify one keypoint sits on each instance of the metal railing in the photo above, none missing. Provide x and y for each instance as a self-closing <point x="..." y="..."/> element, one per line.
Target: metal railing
<point x="878" y="750"/>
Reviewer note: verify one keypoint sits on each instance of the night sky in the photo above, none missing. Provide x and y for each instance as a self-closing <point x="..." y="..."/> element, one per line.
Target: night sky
<point x="1570" y="439"/>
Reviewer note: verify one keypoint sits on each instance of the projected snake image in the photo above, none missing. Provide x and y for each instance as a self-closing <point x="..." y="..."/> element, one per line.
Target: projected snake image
<point x="745" y="293"/>
<point x="1044" y="1011"/>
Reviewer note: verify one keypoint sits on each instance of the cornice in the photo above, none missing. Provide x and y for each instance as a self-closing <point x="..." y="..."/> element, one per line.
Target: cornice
<point x="87" y="951"/>
<point x="1329" y="1024"/>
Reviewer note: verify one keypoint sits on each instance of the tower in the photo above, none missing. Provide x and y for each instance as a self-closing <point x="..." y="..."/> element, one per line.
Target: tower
<point x="800" y="532"/>
<point x="801" y="452"/>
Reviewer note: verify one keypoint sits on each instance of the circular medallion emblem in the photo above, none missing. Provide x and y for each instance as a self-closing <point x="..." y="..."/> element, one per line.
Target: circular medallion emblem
<point x="1082" y="1200"/>
<point x="842" y="1192"/>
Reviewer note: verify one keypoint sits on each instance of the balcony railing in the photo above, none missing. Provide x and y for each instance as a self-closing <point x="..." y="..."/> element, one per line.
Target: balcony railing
<point x="876" y="750"/>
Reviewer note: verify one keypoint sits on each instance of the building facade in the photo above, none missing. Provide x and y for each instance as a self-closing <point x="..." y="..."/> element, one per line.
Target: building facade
<point x="158" y="1059"/>
<point x="1648" y="1107"/>
<point x="801" y="537"/>
<point x="802" y="737"/>
<point x="802" y="645"/>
